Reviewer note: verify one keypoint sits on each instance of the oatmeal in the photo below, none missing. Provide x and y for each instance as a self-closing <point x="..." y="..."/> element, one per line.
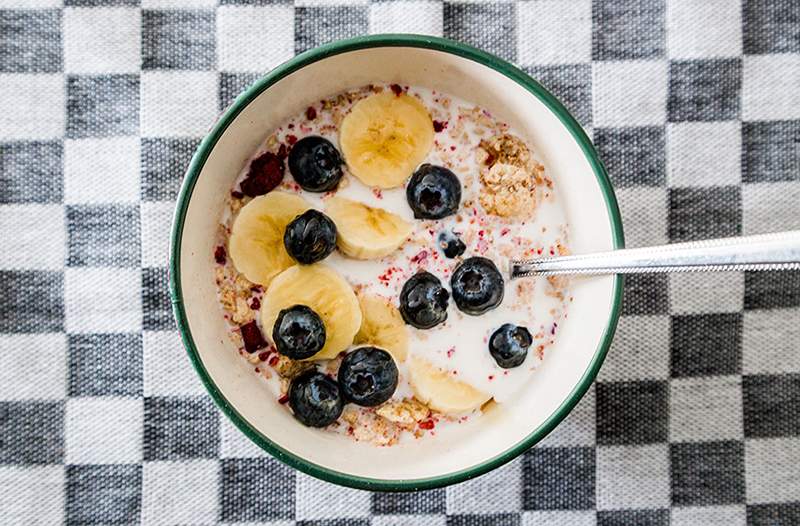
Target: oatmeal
<point x="362" y="261"/>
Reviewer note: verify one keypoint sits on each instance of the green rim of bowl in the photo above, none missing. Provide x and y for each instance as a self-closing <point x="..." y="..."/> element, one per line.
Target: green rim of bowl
<point x="208" y="143"/>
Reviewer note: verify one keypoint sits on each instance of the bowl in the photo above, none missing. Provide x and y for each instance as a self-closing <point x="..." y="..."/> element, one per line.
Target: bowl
<point x="498" y="436"/>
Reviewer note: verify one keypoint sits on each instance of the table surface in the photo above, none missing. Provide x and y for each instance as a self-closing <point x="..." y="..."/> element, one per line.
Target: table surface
<point x="695" y="108"/>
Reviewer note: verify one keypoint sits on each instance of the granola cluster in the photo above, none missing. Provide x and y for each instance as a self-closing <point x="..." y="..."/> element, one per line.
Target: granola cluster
<point x="406" y="412"/>
<point x="384" y="426"/>
<point x="509" y="177"/>
<point x="235" y="293"/>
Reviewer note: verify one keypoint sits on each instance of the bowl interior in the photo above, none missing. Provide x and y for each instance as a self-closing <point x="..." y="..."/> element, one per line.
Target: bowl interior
<point x="462" y="450"/>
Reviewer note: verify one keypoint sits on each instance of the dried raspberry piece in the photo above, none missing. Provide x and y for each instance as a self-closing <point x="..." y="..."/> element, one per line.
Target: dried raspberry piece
<point x="439" y="126"/>
<point x="283" y="399"/>
<point x="253" y="339"/>
<point x="311" y="113"/>
<point x="291" y="139"/>
<point x="266" y="173"/>
<point x="219" y="255"/>
<point x="396" y="89"/>
<point x="427" y="424"/>
<point x="255" y="304"/>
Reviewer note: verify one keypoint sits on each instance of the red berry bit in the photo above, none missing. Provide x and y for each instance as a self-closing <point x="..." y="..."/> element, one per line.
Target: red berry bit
<point x="265" y="174"/>
<point x="396" y="89"/>
<point x="422" y="255"/>
<point x="253" y="339"/>
<point x="427" y="424"/>
<point x="273" y="361"/>
<point x="439" y="126"/>
<point x="311" y="113"/>
<point x="219" y="255"/>
<point x="255" y="304"/>
<point x="283" y="399"/>
<point x="291" y="139"/>
<point x="262" y="356"/>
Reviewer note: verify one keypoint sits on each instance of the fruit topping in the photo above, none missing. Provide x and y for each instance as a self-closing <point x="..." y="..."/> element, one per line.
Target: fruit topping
<point x="433" y="192"/>
<point x="365" y="232"/>
<point x="219" y="255"/>
<point x="382" y="326"/>
<point x="265" y="174"/>
<point x="477" y="286"/>
<point x="368" y="376"/>
<point x="384" y="137"/>
<point x="423" y="301"/>
<point x="439" y="390"/>
<point x="509" y="345"/>
<point x="451" y="244"/>
<point x="299" y="332"/>
<point x="315" y="164"/>
<point x="252" y="337"/>
<point x="310" y="237"/>
<point x="315" y="399"/>
<point x="325" y="292"/>
<point x="256" y="242"/>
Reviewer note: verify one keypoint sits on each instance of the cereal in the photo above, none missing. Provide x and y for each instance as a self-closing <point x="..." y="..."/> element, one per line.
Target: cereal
<point x="508" y="191"/>
<point x="503" y="186"/>
<point x="406" y="411"/>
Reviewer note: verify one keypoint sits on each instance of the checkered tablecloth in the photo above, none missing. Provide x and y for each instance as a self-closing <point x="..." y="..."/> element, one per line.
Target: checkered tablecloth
<point x="695" y="107"/>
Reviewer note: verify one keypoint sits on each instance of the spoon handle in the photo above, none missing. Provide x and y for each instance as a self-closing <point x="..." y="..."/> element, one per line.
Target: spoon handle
<point x="779" y="251"/>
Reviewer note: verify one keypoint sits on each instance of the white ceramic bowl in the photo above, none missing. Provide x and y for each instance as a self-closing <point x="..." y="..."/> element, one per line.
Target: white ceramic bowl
<point x="570" y="366"/>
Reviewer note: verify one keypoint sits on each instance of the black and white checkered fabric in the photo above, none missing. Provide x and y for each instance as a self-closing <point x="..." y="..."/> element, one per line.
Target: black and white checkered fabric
<point x="695" y="107"/>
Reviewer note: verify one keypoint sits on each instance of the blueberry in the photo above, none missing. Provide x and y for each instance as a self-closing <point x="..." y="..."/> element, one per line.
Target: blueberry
<point x="368" y="376"/>
<point x="423" y="301"/>
<point x="310" y="237"/>
<point x="315" y="399"/>
<point x="451" y="244"/>
<point x="477" y="286"/>
<point x="509" y="345"/>
<point x="433" y="192"/>
<point x="298" y="332"/>
<point x="315" y="164"/>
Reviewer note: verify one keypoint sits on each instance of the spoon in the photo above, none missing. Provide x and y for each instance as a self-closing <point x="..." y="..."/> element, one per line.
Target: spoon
<point x="778" y="251"/>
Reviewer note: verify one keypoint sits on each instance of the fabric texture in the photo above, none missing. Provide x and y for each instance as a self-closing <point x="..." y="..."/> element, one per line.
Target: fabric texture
<point x="695" y="108"/>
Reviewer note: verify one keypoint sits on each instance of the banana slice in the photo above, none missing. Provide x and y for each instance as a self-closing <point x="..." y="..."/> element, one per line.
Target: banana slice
<point x="440" y="391"/>
<point x="256" y="242"/>
<point x="364" y="232"/>
<point x="326" y="292"/>
<point x="385" y="137"/>
<point x="382" y="326"/>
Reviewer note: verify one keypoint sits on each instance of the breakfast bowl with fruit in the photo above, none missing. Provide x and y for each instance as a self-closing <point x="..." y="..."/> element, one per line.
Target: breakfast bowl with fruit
<point x="340" y="254"/>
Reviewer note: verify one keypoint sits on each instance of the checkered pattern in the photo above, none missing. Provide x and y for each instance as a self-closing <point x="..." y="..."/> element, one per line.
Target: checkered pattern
<point x="695" y="107"/>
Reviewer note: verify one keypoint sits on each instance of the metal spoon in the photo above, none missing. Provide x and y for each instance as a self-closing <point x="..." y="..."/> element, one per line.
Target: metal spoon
<point x="779" y="251"/>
